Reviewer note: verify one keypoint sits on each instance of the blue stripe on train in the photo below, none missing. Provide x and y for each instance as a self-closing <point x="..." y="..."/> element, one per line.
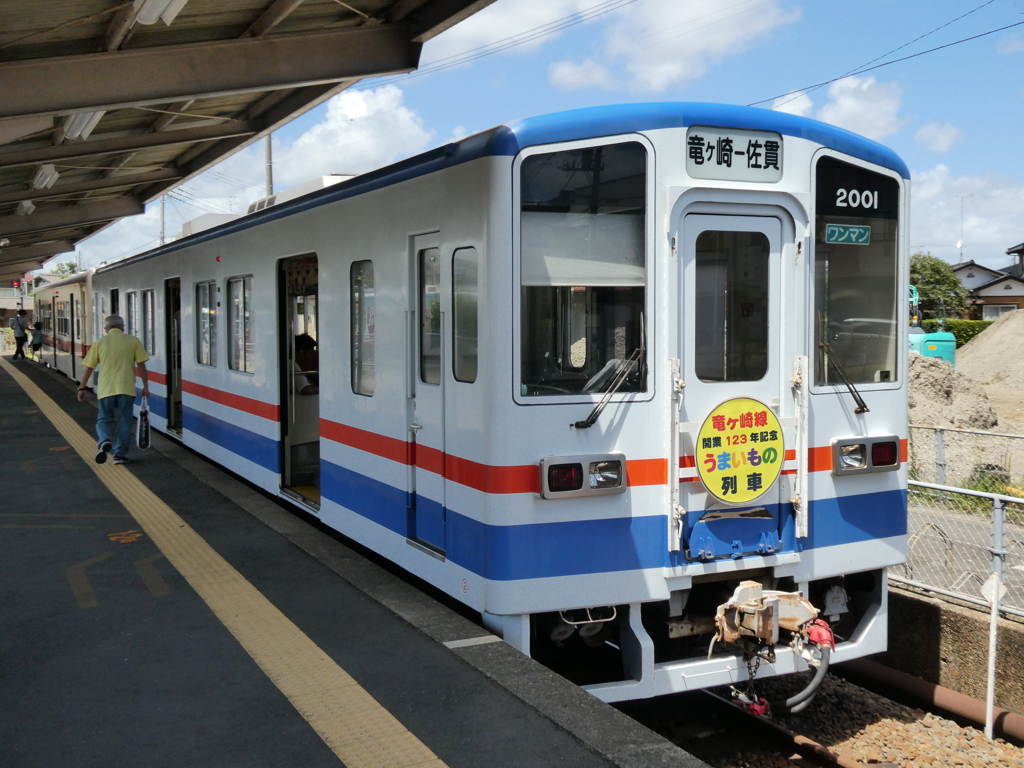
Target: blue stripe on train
<point x="543" y="550"/>
<point x="256" y="448"/>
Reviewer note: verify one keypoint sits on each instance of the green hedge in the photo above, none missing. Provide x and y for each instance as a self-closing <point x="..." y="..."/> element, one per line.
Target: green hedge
<point x="963" y="330"/>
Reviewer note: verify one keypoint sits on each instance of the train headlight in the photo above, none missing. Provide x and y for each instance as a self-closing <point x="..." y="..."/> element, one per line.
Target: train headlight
<point x="852" y="456"/>
<point x="859" y="455"/>
<point x="564" y="477"/>
<point x="605" y="474"/>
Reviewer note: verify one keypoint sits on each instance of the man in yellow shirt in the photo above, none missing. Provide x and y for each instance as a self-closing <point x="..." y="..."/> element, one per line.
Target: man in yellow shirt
<point x="117" y="355"/>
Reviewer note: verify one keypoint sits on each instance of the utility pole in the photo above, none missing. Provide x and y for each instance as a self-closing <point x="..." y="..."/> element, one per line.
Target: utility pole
<point x="162" y="219"/>
<point x="270" y="167"/>
<point x="960" y="244"/>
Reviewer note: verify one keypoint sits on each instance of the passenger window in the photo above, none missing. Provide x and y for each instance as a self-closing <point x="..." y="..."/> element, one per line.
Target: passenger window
<point x="583" y="269"/>
<point x="731" y="309"/>
<point x="147" y="322"/>
<point x="206" y="323"/>
<point x="362" y="328"/>
<point x="241" y="355"/>
<point x="132" y="319"/>
<point x="430" y="316"/>
<point x="464" y="310"/>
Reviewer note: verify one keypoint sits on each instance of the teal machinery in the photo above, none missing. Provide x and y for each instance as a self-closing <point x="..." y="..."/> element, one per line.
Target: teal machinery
<point x="940" y="344"/>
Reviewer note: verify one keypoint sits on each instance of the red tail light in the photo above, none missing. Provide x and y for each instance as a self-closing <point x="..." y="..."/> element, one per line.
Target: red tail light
<point x="884" y="454"/>
<point x="565" y="477"/>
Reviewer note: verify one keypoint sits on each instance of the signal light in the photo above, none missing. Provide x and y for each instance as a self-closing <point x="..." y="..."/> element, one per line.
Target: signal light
<point x="565" y="477"/>
<point x="884" y="454"/>
<point x="16" y="283"/>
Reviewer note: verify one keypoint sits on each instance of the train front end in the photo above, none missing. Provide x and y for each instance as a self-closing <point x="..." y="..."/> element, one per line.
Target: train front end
<point x="709" y="353"/>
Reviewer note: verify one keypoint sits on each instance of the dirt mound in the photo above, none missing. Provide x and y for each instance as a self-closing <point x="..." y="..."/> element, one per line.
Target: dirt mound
<point x="996" y="355"/>
<point x="943" y="397"/>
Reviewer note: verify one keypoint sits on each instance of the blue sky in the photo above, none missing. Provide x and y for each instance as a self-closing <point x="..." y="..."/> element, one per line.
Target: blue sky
<point x="955" y="115"/>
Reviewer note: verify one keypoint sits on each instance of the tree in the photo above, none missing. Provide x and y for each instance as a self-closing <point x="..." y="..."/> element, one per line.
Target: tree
<point x="66" y="268"/>
<point x="936" y="280"/>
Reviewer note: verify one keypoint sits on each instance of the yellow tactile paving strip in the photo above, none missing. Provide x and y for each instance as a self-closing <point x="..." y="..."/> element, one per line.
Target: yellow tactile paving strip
<point x="359" y="730"/>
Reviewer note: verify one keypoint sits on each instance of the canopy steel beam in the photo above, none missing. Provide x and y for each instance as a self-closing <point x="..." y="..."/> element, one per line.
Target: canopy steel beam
<point x="109" y="182"/>
<point x="127" y="143"/>
<point x="202" y="70"/>
<point x="70" y="216"/>
<point x="28" y="253"/>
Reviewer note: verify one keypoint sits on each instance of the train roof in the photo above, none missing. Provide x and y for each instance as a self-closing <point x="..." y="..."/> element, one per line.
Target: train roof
<point x="572" y="125"/>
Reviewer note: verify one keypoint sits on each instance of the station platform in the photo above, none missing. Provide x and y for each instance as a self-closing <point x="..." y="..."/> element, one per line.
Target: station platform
<point x="164" y="613"/>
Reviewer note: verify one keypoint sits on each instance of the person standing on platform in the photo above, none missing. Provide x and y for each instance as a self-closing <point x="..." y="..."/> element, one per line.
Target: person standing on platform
<point x="117" y="355"/>
<point x="37" y="341"/>
<point x="20" y="326"/>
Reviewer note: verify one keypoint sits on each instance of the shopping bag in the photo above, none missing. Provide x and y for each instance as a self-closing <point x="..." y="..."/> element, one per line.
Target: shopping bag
<point x="142" y="425"/>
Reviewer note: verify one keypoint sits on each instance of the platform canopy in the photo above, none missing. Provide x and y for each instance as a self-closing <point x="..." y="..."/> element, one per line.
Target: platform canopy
<point x="106" y="104"/>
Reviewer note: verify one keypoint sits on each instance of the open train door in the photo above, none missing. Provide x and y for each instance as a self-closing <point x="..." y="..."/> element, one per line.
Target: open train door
<point x="735" y="338"/>
<point x="172" y="324"/>
<point x="298" y="285"/>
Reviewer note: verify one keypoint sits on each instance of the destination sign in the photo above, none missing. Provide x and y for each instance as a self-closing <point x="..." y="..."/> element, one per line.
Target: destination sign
<point x="732" y="154"/>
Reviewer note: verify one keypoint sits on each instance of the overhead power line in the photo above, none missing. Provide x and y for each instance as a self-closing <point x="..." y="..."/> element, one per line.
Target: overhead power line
<point x="862" y="70"/>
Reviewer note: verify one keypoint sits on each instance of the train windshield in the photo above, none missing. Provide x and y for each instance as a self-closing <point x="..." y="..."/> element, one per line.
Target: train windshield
<point x="583" y="269"/>
<point x="856" y="301"/>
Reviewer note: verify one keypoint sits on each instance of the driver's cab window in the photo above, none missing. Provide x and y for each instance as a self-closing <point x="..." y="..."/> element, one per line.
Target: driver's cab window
<point x="583" y="270"/>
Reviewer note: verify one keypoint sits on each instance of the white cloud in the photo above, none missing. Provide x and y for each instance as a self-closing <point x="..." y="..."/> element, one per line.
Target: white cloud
<point x="567" y="75"/>
<point x="1011" y="44"/>
<point x="799" y="104"/>
<point x="991" y="215"/>
<point x="864" y="106"/>
<point x="362" y="130"/>
<point x="938" y="138"/>
<point x="669" y="43"/>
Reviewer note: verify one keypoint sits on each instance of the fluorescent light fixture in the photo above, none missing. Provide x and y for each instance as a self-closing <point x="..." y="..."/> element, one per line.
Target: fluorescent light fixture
<point x="46" y="176"/>
<point x="148" y="11"/>
<point x="25" y="207"/>
<point x="80" y="124"/>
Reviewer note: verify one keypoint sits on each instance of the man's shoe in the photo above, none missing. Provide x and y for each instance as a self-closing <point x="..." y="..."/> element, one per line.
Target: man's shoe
<point x="104" y="449"/>
<point x="120" y="459"/>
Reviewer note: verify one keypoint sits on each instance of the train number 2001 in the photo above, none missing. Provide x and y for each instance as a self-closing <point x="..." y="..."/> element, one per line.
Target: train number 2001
<point x="856" y="199"/>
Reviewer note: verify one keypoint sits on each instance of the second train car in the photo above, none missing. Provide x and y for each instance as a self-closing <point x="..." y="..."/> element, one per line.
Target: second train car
<point x="629" y="381"/>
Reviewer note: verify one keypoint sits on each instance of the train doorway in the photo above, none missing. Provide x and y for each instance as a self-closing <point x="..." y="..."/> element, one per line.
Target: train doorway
<point x="75" y="329"/>
<point x="172" y="322"/>
<point x="732" y="349"/>
<point x="300" y="379"/>
<point x="427" y="514"/>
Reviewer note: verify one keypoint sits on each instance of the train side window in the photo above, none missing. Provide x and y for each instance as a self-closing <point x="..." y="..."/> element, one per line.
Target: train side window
<point x="148" y="308"/>
<point x="131" y="321"/>
<point x="241" y="354"/>
<point x="583" y="269"/>
<point x="465" y="302"/>
<point x="430" y="315"/>
<point x="206" y="323"/>
<point x="362" y="349"/>
<point x="730" y="336"/>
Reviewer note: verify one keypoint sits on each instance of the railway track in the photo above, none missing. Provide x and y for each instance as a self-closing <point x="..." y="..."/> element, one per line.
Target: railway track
<point x="845" y="726"/>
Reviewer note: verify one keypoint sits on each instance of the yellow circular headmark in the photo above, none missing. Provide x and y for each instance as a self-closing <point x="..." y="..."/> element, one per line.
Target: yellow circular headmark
<point x="740" y="450"/>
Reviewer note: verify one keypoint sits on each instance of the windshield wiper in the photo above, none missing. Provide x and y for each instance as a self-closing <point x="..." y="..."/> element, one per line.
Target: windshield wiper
<point x="825" y="349"/>
<point x="635" y="359"/>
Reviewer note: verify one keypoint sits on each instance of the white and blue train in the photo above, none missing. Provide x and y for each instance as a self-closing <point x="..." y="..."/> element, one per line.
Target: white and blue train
<point x="629" y="381"/>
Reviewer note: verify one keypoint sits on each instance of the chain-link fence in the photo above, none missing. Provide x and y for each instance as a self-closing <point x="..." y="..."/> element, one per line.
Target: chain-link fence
<point x="958" y="537"/>
<point x="962" y="458"/>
